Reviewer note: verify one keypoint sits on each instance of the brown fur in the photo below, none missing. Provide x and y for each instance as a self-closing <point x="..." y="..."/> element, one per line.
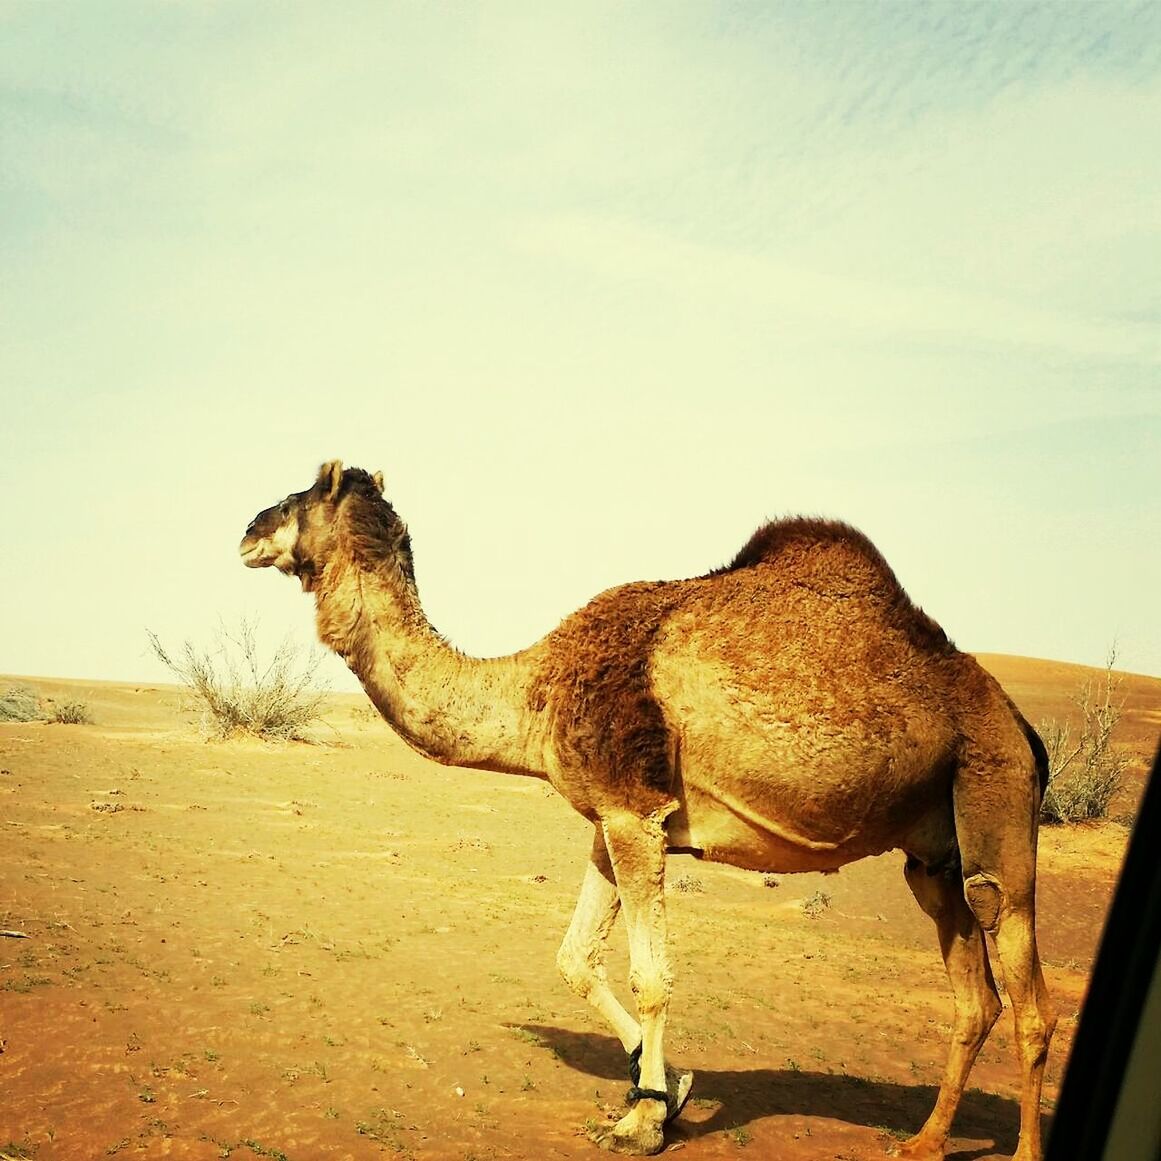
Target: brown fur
<point x="773" y="541"/>
<point x="793" y="710"/>
<point x="771" y="538"/>
<point x="595" y="685"/>
<point x="378" y="537"/>
<point x="595" y="679"/>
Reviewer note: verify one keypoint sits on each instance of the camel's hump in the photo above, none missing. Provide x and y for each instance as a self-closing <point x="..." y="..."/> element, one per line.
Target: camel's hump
<point x="773" y="537"/>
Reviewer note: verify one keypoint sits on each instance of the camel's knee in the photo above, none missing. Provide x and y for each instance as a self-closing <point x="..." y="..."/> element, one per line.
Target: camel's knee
<point x="985" y="897"/>
<point x="1034" y="1028"/>
<point x="579" y="966"/>
<point x="1033" y="1042"/>
<point x="973" y="1024"/>
<point x="651" y="990"/>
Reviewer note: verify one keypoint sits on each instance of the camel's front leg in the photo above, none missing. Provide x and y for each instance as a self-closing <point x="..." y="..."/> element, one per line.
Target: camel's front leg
<point x="581" y="955"/>
<point x="636" y="847"/>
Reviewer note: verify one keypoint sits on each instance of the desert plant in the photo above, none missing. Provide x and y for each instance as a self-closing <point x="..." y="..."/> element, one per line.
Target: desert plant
<point x="20" y="703"/>
<point x="71" y="713"/>
<point x="239" y="693"/>
<point x="813" y="907"/>
<point x="1084" y="769"/>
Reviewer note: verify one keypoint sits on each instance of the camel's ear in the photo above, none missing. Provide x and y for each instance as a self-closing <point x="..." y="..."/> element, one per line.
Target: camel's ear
<point x="377" y="479"/>
<point x="330" y="478"/>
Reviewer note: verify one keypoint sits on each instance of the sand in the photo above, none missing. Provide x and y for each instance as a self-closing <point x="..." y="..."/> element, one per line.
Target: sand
<point x="341" y="950"/>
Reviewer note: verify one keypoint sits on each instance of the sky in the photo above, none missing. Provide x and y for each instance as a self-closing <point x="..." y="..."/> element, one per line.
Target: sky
<point x="598" y="287"/>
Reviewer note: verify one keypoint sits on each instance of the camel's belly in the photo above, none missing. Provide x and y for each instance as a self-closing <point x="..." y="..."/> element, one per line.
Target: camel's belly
<point x="742" y="836"/>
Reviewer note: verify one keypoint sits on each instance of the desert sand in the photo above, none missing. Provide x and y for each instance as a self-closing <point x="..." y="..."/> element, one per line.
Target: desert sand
<point x="341" y="950"/>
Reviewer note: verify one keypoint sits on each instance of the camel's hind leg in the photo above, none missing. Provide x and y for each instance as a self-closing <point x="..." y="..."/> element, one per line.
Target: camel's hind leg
<point x="996" y="817"/>
<point x="581" y="955"/>
<point x="1013" y="924"/>
<point x="977" y="1003"/>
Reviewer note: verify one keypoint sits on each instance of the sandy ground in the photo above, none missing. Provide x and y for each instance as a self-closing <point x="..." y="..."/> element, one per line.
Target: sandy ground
<point x="341" y="950"/>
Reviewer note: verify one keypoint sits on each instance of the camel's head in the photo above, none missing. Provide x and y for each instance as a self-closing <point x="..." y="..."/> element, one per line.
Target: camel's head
<point x="299" y="535"/>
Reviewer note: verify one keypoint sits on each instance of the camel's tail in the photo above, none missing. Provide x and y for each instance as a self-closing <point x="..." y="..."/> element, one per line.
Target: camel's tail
<point x="1039" y="752"/>
<point x="1035" y="744"/>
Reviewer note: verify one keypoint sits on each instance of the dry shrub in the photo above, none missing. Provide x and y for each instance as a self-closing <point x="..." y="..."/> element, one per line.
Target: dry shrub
<point x="71" y="713"/>
<point x="240" y="694"/>
<point x="1085" y="771"/>
<point x="20" y="703"/>
<point x="819" y="902"/>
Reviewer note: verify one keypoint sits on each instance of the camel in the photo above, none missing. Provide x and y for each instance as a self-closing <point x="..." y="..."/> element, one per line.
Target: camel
<point x="790" y="711"/>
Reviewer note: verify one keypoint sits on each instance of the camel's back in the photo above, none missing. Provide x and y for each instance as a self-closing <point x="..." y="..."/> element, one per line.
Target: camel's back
<point x="806" y="635"/>
<point x="824" y="568"/>
<point x="809" y="626"/>
<point x="803" y="688"/>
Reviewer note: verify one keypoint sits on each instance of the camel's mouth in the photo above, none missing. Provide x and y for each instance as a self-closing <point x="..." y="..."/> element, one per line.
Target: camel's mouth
<point x="252" y="555"/>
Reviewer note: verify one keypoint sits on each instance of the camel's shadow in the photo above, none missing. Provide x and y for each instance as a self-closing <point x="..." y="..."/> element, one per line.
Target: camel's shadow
<point x="748" y="1095"/>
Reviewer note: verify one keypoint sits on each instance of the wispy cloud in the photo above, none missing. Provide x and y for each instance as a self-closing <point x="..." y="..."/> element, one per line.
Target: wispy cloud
<point x="848" y="308"/>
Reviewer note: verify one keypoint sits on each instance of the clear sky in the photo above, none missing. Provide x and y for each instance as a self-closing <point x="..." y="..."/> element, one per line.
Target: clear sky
<point x="599" y="287"/>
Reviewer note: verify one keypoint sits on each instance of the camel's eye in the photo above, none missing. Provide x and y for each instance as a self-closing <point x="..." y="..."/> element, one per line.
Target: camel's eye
<point x="284" y="508"/>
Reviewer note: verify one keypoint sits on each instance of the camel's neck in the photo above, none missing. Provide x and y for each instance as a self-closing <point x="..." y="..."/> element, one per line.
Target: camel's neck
<point x="458" y="710"/>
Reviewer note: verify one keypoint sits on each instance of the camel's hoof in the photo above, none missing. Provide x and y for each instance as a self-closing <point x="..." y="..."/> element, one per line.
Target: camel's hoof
<point x="637" y="1133"/>
<point x="918" y="1148"/>
<point x="640" y="1133"/>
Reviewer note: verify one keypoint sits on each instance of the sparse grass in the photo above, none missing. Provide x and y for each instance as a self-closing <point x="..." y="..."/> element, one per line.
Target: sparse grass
<point x="592" y="1127"/>
<point x="260" y="1150"/>
<point x="895" y="1133"/>
<point x="242" y="694"/>
<point x="25" y="985"/>
<point x="813" y="907"/>
<point x="688" y="885"/>
<point x="1085" y="771"/>
<point x="384" y="1127"/>
<point x="20" y="703"/>
<point x="740" y="1135"/>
